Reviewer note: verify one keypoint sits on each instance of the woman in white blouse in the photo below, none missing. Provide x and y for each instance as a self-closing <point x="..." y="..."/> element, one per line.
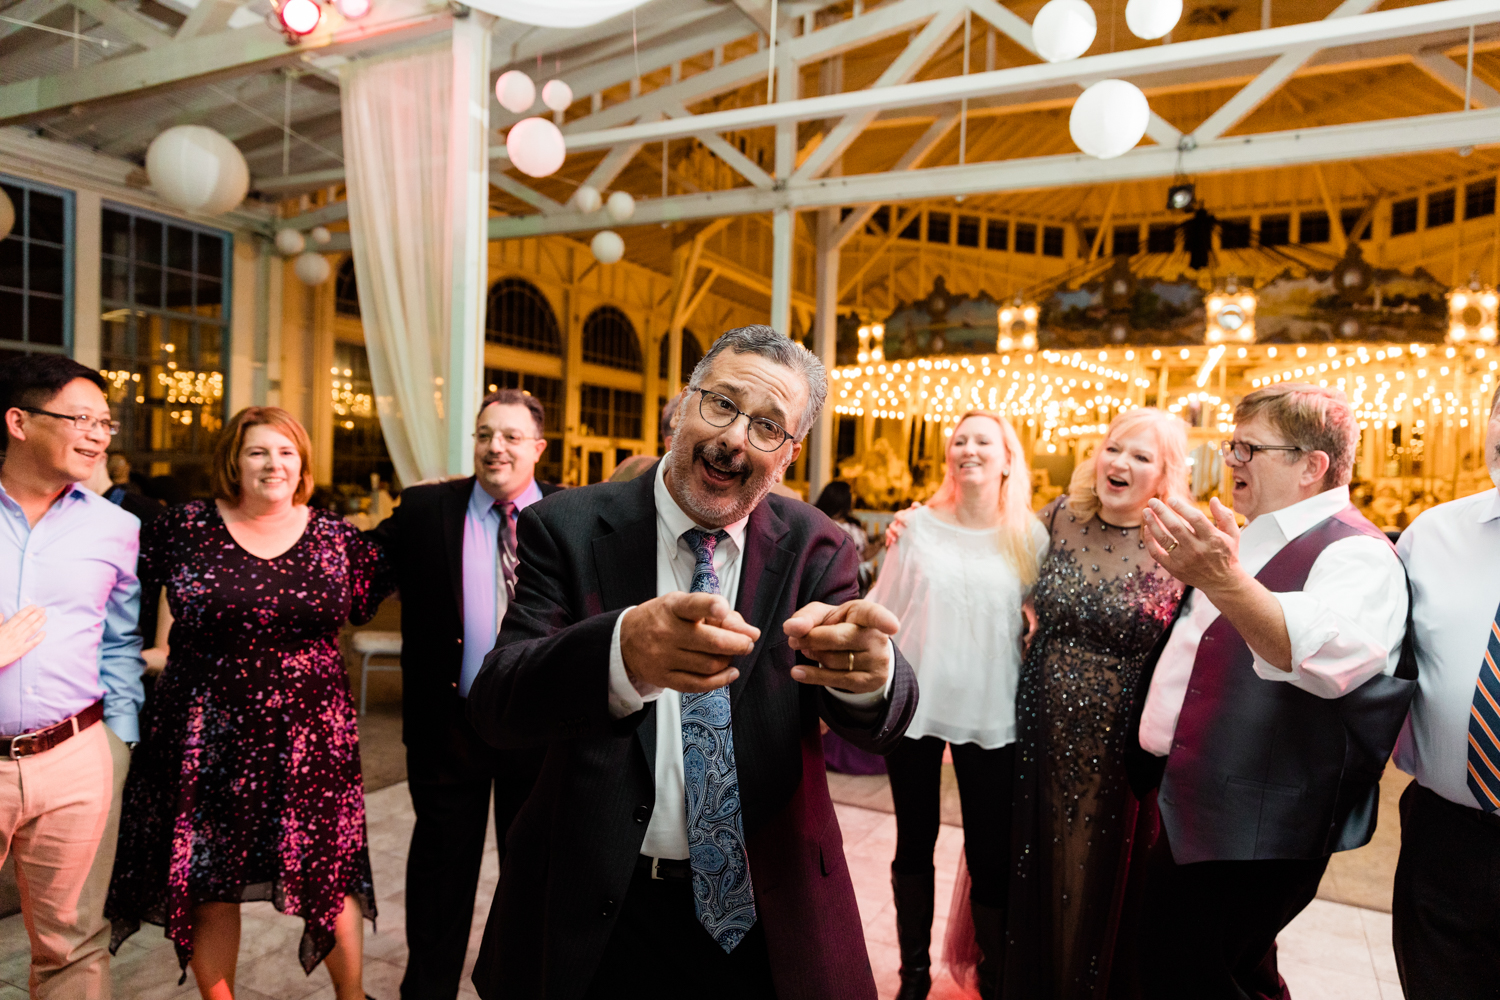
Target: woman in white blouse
<point x="957" y="580"/>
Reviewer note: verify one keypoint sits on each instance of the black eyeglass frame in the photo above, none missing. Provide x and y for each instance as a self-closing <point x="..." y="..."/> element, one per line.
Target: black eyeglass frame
<point x="703" y="394"/>
<point x="1231" y="449"/>
<point x="113" y="426"/>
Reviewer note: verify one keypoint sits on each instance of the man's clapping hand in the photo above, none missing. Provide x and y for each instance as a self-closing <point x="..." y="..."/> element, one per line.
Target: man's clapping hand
<point x="850" y="642"/>
<point x="684" y="642"/>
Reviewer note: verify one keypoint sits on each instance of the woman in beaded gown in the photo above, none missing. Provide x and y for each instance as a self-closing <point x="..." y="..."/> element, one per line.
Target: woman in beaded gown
<point x="246" y="785"/>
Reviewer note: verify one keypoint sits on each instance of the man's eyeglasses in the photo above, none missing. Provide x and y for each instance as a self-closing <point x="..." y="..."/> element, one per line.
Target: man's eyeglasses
<point x="1244" y="451"/>
<point x="764" y="434"/>
<point x="485" y="437"/>
<point x="82" y="422"/>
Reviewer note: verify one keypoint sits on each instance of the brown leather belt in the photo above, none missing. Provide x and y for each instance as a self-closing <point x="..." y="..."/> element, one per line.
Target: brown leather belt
<point x="31" y="744"/>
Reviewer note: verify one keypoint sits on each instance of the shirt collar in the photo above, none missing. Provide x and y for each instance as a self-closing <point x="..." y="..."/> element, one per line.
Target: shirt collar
<point x="73" y="492"/>
<point x="676" y="520"/>
<point x="1489" y="508"/>
<point x="481" y="503"/>
<point x="1303" y="514"/>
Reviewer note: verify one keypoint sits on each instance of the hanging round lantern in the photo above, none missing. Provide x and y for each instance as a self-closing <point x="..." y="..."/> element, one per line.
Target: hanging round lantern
<point x="587" y="199"/>
<point x="557" y="95"/>
<point x="299" y="17"/>
<point x="1064" y="29"/>
<point x="515" y="92"/>
<point x="1231" y="315"/>
<point x="320" y="235"/>
<point x="352" y="10"/>
<point x="1109" y="118"/>
<point x="1152" y="18"/>
<point x="607" y="245"/>
<point x="620" y="206"/>
<point x="535" y="147"/>
<point x="7" y="214"/>
<point x="1018" y="326"/>
<point x="312" y="268"/>
<point x="1472" y="313"/>
<point x="289" y="242"/>
<point x="196" y="169"/>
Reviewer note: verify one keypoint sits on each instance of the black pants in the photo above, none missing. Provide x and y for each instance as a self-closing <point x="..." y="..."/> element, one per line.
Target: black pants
<point x="1208" y="930"/>
<point x="1445" y="917"/>
<point x="659" y="951"/>
<point x="452" y="803"/>
<point x="986" y="779"/>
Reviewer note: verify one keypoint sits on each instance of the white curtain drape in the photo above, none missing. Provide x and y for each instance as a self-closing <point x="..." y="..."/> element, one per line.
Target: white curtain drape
<point x="397" y="119"/>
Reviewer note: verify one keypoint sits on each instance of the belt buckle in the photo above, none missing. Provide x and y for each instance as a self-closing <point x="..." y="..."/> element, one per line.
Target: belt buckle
<point x="654" y="873"/>
<point x="17" y="746"/>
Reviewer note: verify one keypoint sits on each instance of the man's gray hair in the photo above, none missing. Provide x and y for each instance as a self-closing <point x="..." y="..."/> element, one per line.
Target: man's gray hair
<point x="766" y="342"/>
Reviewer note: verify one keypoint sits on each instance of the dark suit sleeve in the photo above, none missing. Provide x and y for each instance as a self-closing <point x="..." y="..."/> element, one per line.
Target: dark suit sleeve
<point x="547" y="678"/>
<point x="875" y="732"/>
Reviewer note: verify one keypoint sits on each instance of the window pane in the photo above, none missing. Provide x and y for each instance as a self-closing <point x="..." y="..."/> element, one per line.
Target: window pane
<point x="211" y="255"/>
<point x="179" y="248"/>
<point x="1313" y="227"/>
<point x="1025" y="237"/>
<point x="209" y="337"/>
<point x="179" y="291"/>
<point x="913" y="229"/>
<point x="116" y="235"/>
<point x="12" y="257"/>
<point x="968" y="231"/>
<point x="1275" y="230"/>
<point x="148" y="248"/>
<point x="114" y="280"/>
<point x="10" y="315"/>
<point x="112" y="336"/>
<point x="46" y="268"/>
<point x="210" y="298"/>
<point x="1404" y="217"/>
<point x="46" y="211"/>
<point x="996" y="235"/>
<point x="46" y="320"/>
<point x="1161" y="238"/>
<point x="1234" y="234"/>
<point x="1127" y="241"/>
<point x="1479" y="199"/>
<point x="147" y="285"/>
<point x="1052" y="241"/>
<point x="937" y="227"/>
<point x="1440" y="207"/>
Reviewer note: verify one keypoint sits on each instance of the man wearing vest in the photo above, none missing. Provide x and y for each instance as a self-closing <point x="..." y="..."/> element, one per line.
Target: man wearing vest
<point x="1273" y="703"/>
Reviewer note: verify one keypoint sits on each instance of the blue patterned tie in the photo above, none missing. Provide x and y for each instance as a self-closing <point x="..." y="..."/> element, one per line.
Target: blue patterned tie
<point x="722" y="894"/>
<point x="1484" y="725"/>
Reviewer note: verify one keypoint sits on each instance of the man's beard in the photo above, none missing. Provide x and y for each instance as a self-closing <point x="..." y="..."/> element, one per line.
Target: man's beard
<point x="710" y="510"/>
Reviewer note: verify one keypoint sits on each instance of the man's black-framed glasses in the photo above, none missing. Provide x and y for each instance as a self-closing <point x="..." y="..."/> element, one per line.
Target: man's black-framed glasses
<point x="83" y="422"/>
<point x="764" y="434"/>
<point x="1244" y="451"/>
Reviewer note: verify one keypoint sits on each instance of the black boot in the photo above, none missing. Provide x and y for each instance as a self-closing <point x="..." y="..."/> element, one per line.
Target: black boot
<point x="914" y="895"/>
<point x="989" y="934"/>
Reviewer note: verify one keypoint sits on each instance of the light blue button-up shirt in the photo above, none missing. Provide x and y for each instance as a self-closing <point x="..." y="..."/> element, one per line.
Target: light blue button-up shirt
<point x="78" y="564"/>
<point x="481" y="568"/>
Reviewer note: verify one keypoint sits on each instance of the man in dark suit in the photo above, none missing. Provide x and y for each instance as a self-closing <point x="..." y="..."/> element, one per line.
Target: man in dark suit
<point x="680" y="840"/>
<point x="453" y="545"/>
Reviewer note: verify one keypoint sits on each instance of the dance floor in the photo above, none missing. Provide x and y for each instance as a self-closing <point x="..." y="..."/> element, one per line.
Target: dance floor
<point x="1332" y="952"/>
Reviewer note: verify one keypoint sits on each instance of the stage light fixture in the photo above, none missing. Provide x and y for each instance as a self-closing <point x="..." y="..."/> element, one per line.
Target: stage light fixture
<point x="299" y="17"/>
<point x="1180" y="197"/>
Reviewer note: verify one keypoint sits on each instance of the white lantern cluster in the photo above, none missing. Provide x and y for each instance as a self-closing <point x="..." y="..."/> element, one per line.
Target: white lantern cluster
<point x="535" y="145"/>
<point x="1109" y="118"/>
<point x="311" y="268"/>
<point x="1063" y="30"/>
<point x="196" y="169"/>
<point x="1472" y="313"/>
<point x="607" y="245"/>
<point x="1017" y="326"/>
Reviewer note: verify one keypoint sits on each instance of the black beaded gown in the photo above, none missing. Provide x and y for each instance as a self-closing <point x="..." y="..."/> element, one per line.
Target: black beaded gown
<point x="1101" y="602"/>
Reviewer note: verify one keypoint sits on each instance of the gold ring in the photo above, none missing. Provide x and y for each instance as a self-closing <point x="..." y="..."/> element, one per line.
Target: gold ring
<point x="850" y="668"/>
<point x="1173" y="546"/>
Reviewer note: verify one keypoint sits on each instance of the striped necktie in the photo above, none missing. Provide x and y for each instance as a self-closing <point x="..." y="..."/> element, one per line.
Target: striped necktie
<point x="1484" y="727"/>
<point x="723" y="897"/>
<point x="505" y="586"/>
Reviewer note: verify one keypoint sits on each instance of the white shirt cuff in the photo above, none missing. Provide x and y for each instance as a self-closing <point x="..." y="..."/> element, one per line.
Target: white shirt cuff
<point x="871" y="699"/>
<point x="1308" y="635"/>
<point x="624" y="697"/>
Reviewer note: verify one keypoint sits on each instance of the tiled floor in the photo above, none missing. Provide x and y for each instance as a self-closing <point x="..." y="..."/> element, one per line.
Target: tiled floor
<point x="1331" y="952"/>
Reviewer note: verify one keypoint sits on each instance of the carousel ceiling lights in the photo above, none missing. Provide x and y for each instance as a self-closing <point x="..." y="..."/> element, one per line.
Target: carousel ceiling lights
<point x="1472" y="312"/>
<point x="1109" y="118"/>
<point x="1018" y="326"/>
<point x="872" y="343"/>
<point x="1231" y="315"/>
<point x="1180" y="197"/>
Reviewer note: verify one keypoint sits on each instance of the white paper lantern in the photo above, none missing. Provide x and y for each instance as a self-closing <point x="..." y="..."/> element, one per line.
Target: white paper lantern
<point x="557" y="95"/>
<point x="607" y="246"/>
<point x="535" y="147"/>
<point x="1152" y="18"/>
<point x="7" y="215"/>
<point x="290" y="242"/>
<point x="1109" y="118"/>
<point x="320" y="235"/>
<point x="196" y="169"/>
<point x="620" y="206"/>
<point x="587" y="199"/>
<point x="515" y="92"/>
<point x="1064" y="29"/>
<point x="312" y="268"/>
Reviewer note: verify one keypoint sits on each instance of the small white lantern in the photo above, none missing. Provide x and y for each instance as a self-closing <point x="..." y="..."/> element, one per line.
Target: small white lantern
<point x="320" y="235"/>
<point x="312" y="268"/>
<point x="536" y="147"/>
<point x="587" y="199"/>
<point x="197" y="169"/>
<point x="1064" y="29"/>
<point x="515" y="92"/>
<point x="1109" y="118"/>
<point x="607" y="246"/>
<point x="289" y="242"/>
<point x="1152" y="18"/>
<point x="620" y="206"/>
<point x="7" y="214"/>
<point x="557" y="95"/>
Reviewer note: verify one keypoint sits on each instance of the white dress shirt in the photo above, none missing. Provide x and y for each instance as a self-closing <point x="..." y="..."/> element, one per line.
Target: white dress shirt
<point x="484" y="599"/>
<point x="1452" y="553"/>
<point x="666" y="835"/>
<point x="1345" y="625"/>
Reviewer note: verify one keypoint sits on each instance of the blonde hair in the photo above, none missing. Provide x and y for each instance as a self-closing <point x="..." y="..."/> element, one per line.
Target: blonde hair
<point x="1015" y="498"/>
<point x="1171" y="443"/>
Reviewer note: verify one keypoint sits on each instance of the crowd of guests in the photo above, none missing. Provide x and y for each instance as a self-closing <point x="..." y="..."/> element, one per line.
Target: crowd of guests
<point x="1163" y="722"/>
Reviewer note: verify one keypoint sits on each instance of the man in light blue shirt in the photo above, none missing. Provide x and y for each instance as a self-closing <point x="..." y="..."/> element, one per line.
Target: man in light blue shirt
<point x="72" y="554"/>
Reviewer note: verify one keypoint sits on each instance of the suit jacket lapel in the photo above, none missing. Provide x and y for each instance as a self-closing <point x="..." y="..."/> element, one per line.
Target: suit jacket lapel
<point x="455" y="507"/>
<point x="762" y="580"/>
<point x="625" y="564"/>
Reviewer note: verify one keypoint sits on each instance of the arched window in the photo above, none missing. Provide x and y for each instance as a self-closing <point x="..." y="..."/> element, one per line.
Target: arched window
<point x="519" y="315"/>
<point x="692" y="353"/>
<point x="609" y="339"/>
<point x="346" y="289"/>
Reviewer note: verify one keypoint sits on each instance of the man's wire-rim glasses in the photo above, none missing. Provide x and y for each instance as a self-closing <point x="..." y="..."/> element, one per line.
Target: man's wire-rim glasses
<point x="82" y="422"/>
<point x="765" y="434"/>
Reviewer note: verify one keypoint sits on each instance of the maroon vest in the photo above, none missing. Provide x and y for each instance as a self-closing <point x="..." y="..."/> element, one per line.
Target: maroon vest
<point x="1261" y="769"/>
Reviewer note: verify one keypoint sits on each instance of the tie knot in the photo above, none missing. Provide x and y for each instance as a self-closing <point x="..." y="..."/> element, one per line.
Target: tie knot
<point x="505" y="508"/>
<point x="703" y="543"/>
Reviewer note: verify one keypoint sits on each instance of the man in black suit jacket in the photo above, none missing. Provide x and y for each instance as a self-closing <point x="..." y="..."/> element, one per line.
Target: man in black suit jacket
<point x="447" y="542"/>
<point x="669" y="852"/>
